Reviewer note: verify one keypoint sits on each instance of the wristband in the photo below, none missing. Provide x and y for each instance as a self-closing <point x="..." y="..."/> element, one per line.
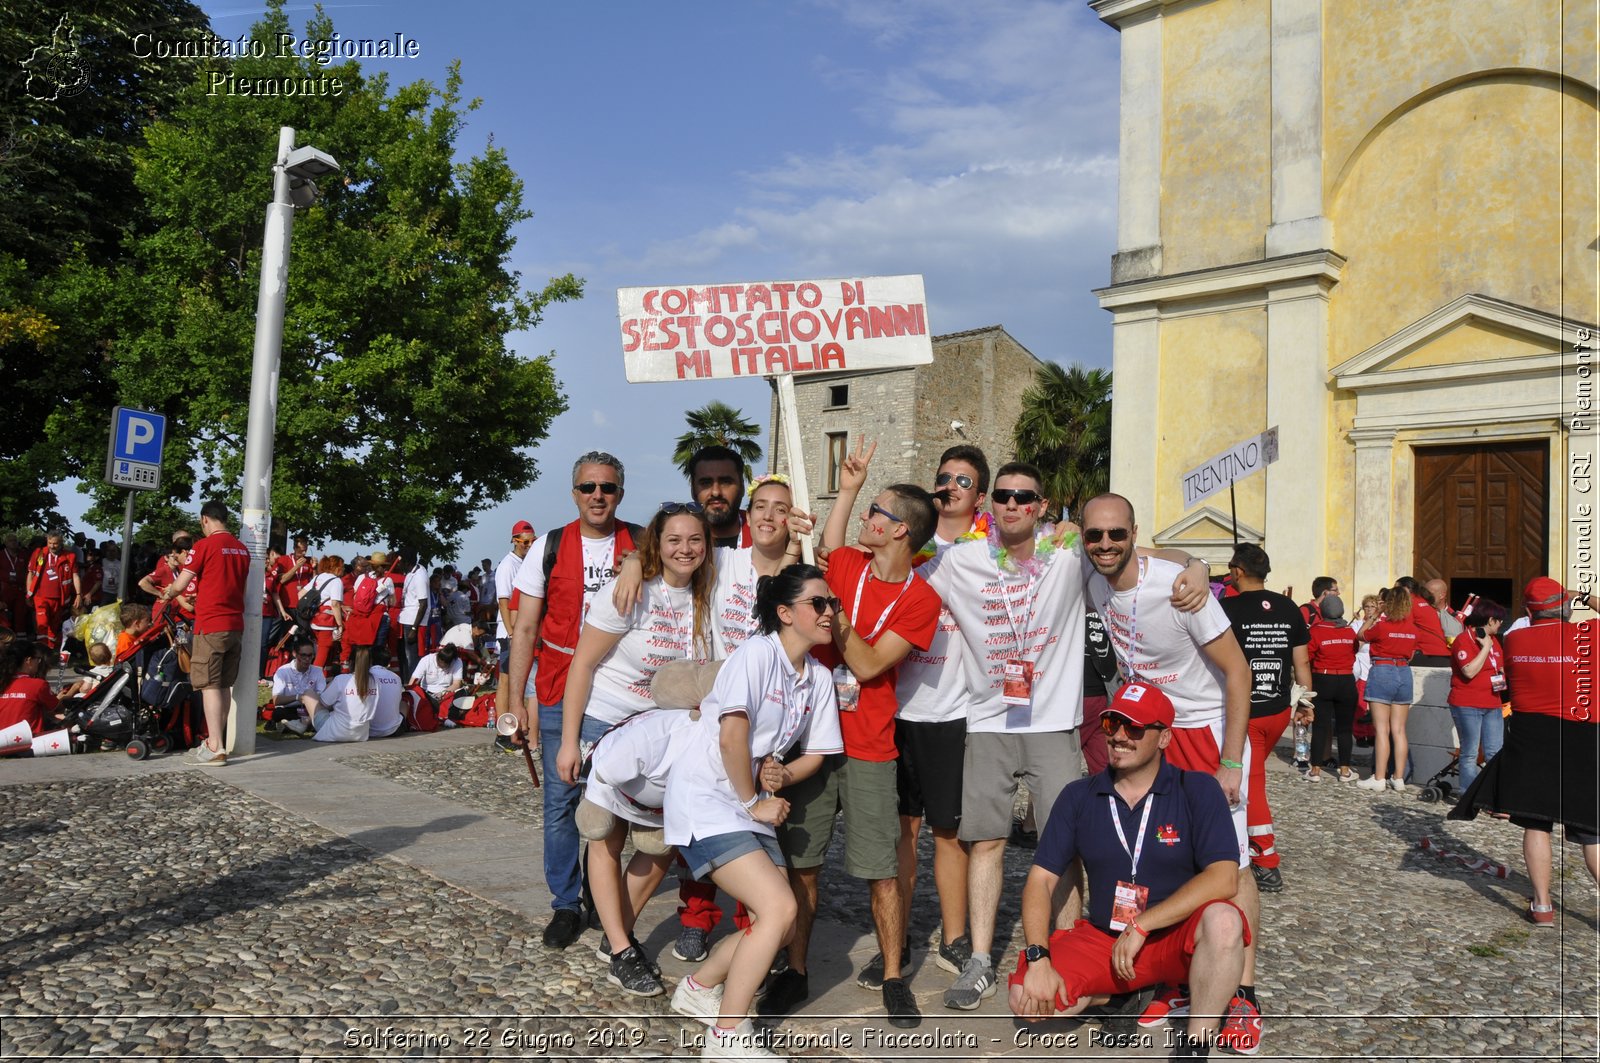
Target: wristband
<point x="1133" y="924"/>
<point x="1233" y="764"/>
<point x="750" y="804"/>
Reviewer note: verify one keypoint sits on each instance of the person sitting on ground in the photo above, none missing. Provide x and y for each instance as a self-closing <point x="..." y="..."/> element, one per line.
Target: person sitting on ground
<point x="1157" y="913"/>
<point x="438" y="675"/>
<point x="362" y="703"/>
<point x="99" y="669"/>
<point x="24" y="695"/>
<point x="297" y="689"/>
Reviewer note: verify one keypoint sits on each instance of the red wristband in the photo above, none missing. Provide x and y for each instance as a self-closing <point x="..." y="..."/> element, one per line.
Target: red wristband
<point x="1133" y="924"/>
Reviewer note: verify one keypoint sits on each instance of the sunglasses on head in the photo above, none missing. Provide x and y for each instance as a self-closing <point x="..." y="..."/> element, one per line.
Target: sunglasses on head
<point x="1024" y="497"/>
<point x="588" y="487"/>
<point x="1111" y="723"/>
<point x="670" y="508"/>
<point x="962" y="480"/>
<point x="821" y="603"/>
<point x="880" y="511"/>
<point x="1094" y="535"/>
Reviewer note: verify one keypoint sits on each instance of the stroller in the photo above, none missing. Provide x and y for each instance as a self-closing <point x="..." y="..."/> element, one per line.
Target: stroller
<point x="141" y="711"/>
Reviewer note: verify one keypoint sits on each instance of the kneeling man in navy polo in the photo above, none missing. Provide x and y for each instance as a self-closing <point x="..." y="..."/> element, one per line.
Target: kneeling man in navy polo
<point x="1162" y="863"/>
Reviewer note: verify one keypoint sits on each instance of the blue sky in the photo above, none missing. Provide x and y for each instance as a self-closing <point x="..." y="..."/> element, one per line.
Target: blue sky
<point x="974" y="144"/>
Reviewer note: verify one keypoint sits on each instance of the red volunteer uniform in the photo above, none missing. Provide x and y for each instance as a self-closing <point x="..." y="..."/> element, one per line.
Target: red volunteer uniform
<point x="14" y="588"/>
<point x="1392" y="641"/>
<point x="1430" y="633"/>
<point x="50" y="585"/>
<point x="910" y="610"/>
<point x="222" y="565"/>
<point x="1550" y="667"/>
<point x="27" y="700"/>
<point x="1332" y="649"/>
<point x="1478" y="692"/>
<point x="294" y="575"/>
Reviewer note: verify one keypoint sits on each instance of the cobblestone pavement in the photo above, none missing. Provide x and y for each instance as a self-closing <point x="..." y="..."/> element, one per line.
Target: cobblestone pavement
<point x="170" y="913"/>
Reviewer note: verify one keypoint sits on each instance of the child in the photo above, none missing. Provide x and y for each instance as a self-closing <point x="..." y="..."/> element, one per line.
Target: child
<point x="100" y="660"/>
<point x="135" y="622"/>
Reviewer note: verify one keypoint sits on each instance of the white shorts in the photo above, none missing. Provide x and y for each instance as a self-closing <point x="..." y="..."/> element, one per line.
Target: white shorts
<point x="1200" y="749"/>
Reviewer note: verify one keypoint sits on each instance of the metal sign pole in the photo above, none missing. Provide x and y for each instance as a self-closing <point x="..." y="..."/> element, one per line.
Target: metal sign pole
<point x="127" y="551"/>
<point x="797" y="457"/>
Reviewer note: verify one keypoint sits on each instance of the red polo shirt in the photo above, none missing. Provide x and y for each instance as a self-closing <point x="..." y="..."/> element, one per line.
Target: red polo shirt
<point x="1550" y="668"/>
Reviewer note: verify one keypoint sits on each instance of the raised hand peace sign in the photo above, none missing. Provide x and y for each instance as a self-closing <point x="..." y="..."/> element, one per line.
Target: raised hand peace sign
<point x="853" y="473"/>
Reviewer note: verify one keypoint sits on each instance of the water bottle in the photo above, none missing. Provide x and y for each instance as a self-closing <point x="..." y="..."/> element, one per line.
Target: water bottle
<point x="1302" y="743"/>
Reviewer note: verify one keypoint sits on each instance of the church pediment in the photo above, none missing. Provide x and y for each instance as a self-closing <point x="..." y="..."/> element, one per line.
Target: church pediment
<point x="1473" y="337"/>
<point x="1206" y="530"/>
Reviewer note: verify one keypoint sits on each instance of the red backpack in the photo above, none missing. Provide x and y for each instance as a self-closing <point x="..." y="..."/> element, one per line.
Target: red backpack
<point x="366" y="595"/>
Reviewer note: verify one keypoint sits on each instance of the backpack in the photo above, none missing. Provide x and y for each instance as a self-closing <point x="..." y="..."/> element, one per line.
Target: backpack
<point x="552" y="545"/>
<point x="366" y="596"/>
<point x="308" y="606"/>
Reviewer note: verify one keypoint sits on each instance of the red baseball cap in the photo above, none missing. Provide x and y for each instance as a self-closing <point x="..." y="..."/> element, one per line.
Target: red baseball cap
<point x="1542" y="592"/>
<point x="1142" y="704"/>
<point x="522" y="527"/>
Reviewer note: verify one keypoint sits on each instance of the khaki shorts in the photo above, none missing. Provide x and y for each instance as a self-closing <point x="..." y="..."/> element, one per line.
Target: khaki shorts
<point x="215" y="661"/>
<point x="1044" y="761"/>
<point x="867" y="793"/>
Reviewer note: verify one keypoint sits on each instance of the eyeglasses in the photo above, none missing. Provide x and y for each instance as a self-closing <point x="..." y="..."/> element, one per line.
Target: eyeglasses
<point x="670" y="508"/>
<point x="962" y="480"/>
<point x="588" y="487"/>
<point x="1111" y="723"/>
<point x="879" y="510"/>
<point x="1002" y="495"/>
<point x="821" y="603"/>
<point x="311" y="656"/>
<point x="1094" y="535"/>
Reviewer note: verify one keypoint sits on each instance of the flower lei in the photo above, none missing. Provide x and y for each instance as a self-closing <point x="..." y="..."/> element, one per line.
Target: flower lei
<point x="980" y="527"/>
<point x="1044" y="544"/>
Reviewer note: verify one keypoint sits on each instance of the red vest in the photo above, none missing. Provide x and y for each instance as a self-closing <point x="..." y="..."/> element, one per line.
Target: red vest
<point x="563" y="609"/>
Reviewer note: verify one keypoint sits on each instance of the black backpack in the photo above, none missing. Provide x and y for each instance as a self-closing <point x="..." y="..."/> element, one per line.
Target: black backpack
<point x="308" y="606"/>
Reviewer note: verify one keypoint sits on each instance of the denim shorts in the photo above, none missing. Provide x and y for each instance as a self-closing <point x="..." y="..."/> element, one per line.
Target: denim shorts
<point x="705" y="855"/>
<point x="1389" y="684"/>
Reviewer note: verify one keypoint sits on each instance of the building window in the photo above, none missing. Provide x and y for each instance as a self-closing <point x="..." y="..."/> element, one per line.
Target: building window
<point x="836" y="455"/>
<point x="838" y="395"/>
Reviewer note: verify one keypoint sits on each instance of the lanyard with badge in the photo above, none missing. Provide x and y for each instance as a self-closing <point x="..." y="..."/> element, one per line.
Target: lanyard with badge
<point x="1125" y="657"/>
<point x="1497" y="675"/>
<point x="1130" y="898"/>
<point x="1017" y="680"/>
<point x="845" y="683"/>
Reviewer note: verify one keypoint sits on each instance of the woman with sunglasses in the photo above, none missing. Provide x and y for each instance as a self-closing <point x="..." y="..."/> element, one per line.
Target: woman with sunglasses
<point x="770" y="698"/>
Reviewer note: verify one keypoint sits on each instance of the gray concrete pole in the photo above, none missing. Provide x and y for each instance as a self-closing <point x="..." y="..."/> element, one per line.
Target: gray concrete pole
<point x="257" y="496"/>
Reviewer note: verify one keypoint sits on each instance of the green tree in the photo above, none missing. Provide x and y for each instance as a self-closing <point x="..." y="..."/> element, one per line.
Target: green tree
<point x="401" y="410"/>
<point x="718" y="424"/>
<point x="75" y="99"/>
<point x="1065" y="429"/>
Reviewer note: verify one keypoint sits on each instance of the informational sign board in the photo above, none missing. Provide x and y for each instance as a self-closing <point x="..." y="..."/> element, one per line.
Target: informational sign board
<point x="770" y="328"/>
<point x="1234" y="464"/>
<point x="133" y="456"/>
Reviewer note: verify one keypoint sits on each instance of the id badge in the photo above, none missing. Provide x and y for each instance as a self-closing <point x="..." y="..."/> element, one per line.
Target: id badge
<point x="1497" y="683"/>
<point x="1129" y="901"/>
<point x="1018" y="686"/>
<point x="848" y="688"/>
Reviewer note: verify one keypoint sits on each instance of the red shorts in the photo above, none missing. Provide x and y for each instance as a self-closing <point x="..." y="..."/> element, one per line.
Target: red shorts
<point x="1082" y="957"/>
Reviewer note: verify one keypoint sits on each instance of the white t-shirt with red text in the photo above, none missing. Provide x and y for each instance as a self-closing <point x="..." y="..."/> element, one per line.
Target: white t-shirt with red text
<point x="931" y="685"/>
<point x="659" y="628"/>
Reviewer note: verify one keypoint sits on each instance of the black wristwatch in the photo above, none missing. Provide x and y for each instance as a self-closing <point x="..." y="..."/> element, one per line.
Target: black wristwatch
<point x="1035" y="953"/>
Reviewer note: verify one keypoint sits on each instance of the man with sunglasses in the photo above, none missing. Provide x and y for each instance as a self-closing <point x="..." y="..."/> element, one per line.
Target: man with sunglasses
<point x="716" y="480"/>
<point x="297" y="689"/>
<point x="1196" y="661"/>
<point x="556" y="583"/>
<point x="505" y="575"/>
<point x="1158" y="850"/>
<point x="886" y="612"/>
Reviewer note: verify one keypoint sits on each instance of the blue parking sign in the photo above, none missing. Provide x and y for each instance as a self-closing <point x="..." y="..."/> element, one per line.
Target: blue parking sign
<point x="137" y="435"/>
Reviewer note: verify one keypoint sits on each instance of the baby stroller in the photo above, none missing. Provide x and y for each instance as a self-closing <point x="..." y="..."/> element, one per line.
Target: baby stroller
<point x="141" y="711"/>
<point x="1445" y="781"/>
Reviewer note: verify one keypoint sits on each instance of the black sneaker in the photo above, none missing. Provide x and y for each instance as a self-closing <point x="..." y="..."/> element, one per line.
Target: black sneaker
<point x="603" y="951"/>
<point x="1024" y="839"/>
<point x="871" y="976"/>
<point x="953" y="956"/>
<point x="563" y="929"/>
<point x="503" y="744"/>
<point x="691" y="945"/>
<point x="899" y="1004"/>
<point x="631" y="972"/>
<point x="1268" y="879"/>
<point x="788" y="989"/>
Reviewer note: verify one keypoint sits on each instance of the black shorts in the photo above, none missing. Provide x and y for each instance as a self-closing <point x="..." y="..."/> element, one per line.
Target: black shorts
<point x="929" y="772"/>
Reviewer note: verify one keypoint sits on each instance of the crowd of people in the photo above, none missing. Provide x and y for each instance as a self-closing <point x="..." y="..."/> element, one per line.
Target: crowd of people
<point x="695" y="686"/>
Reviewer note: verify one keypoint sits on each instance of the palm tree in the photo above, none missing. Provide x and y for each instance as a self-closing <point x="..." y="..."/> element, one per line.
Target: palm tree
<point x="718" y="424"/>
<point x="1065" y="429"/>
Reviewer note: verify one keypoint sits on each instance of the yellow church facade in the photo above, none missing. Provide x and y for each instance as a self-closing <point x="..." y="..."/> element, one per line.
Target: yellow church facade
<point x="1371" y="225"/>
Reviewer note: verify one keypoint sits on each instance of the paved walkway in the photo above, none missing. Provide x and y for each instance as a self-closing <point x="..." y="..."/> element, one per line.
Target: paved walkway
<point x="385" y="900"/>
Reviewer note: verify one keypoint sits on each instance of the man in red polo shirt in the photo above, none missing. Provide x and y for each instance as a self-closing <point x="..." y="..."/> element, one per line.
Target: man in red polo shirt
<point x="886" y="611"/>
<point x="222" y="564"/>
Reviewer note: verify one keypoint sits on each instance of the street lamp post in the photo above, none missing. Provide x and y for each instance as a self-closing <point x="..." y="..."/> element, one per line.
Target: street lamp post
<point x="291" y="186"/>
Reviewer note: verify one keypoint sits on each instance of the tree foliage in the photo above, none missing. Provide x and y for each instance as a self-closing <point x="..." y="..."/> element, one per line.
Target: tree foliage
<point x="718" y="424"/>
<point x="401" y="410"/>
<point x="75" y="99"/>
<point x="1065" y="429"/>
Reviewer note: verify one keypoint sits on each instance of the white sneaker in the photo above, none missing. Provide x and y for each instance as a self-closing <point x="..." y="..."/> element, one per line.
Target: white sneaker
<point x="742" y="1043"/>
<point x="1397" y="786"/>
<point x="1373" y="783"/>
<point x="298" y="727"/>
<point x="204" y="754"/>
<point x="703" y="1004"/>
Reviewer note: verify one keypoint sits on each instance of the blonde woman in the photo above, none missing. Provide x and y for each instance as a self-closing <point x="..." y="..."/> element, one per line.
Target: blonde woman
<point x="1392" y="640"/>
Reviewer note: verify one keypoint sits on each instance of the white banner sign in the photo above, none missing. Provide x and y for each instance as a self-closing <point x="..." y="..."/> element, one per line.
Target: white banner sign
<point x="1235" y="463"/>
<point x="726" y="331"/>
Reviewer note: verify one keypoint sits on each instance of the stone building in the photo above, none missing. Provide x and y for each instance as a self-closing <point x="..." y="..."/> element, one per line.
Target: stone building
<point x="970" y="393"/>
<point x="1372" y="225"/>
